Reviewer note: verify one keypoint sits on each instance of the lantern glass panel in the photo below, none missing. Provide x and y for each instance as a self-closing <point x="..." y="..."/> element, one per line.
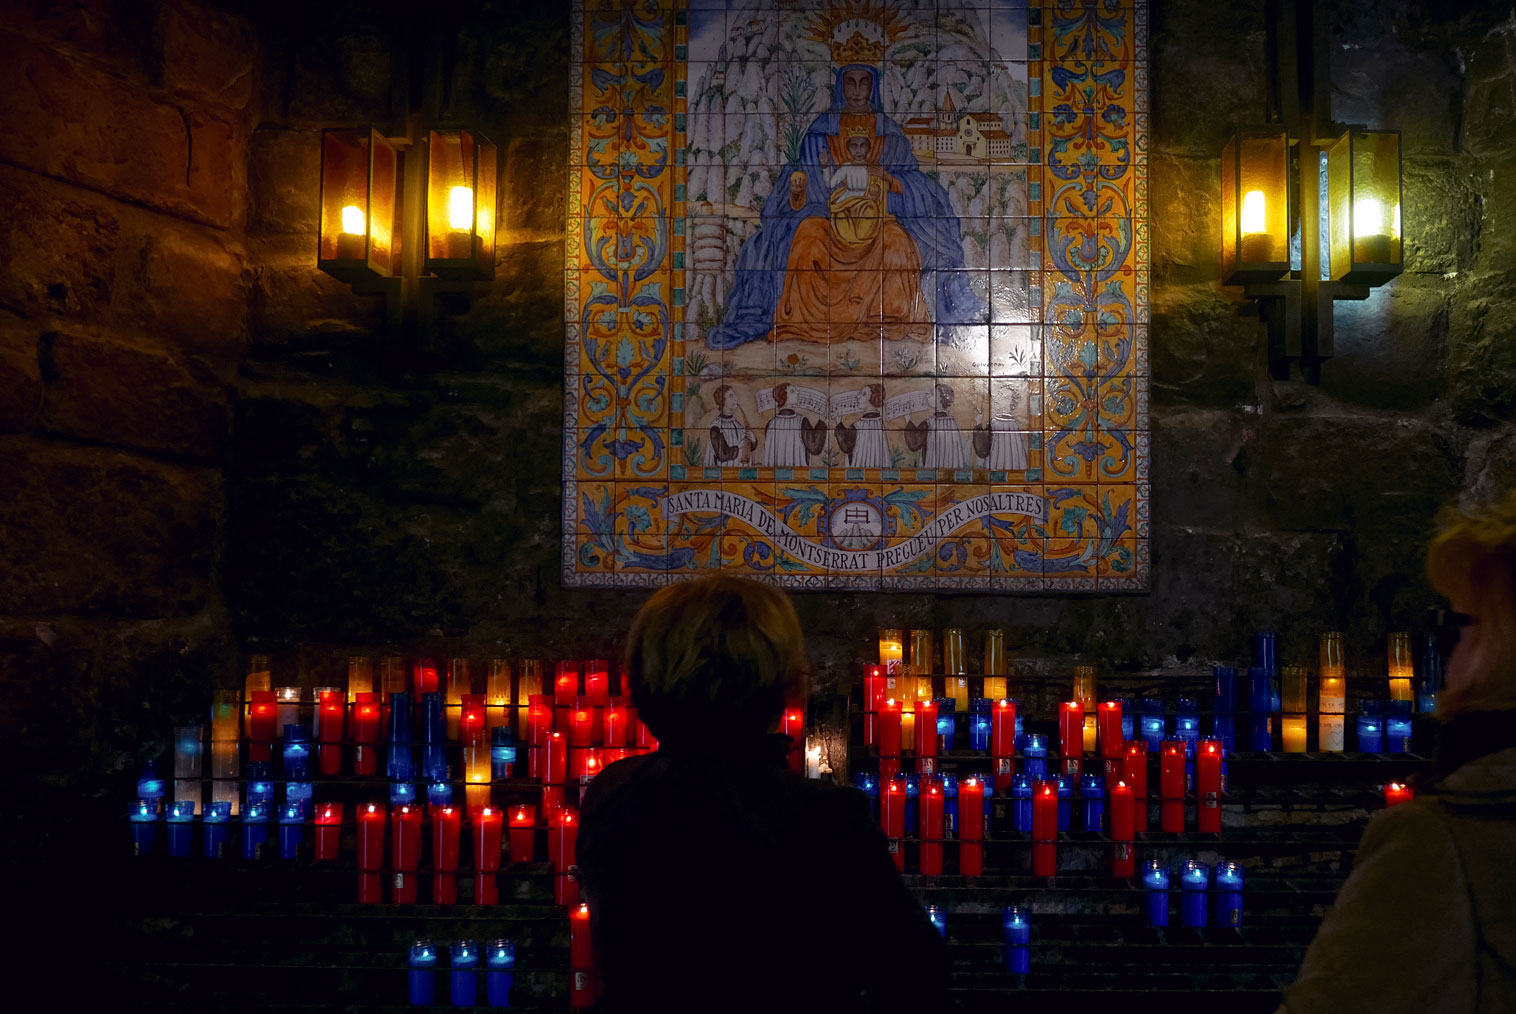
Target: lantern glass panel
<point x="488" y="156"/>
<point x="1255" y="206"/>
<point x="1364" y="194"/>
<point x="359" y="175"/>
<point x="450" y="201"/>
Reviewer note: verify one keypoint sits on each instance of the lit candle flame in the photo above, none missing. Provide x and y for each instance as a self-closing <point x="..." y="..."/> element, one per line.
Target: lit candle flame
<point x="1368" y="217"/>
<point x="1253" y="213"/>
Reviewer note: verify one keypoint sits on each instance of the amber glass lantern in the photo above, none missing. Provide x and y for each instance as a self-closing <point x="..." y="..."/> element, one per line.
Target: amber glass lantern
<point x="1255" y="207"/>
<point x="1363" y="194"/>
<point x="460" y="204"/>
<point x="359" y="176"/>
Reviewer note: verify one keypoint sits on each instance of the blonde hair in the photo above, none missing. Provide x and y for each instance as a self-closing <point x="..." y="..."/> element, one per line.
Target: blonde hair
<point x="1472" y="561"/>
<point x="713" y="657"/>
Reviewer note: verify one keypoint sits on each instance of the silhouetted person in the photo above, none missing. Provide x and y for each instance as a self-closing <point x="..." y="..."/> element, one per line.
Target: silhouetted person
<point x="717" y="879"/>
<point x="1426" y="922"/>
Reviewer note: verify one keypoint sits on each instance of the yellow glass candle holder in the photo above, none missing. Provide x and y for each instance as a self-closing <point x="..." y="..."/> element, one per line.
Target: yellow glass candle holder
<point x="891" y="650"/>
<point x="1084" y="687"/>
<point x="1293" y="728"/>
<point x="953" y="663"/>
<point x="360" y="677"/>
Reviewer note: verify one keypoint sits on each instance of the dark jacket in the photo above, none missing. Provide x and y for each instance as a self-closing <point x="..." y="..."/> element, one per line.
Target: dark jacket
<point x="1426" y="922"/>
<point x="720" y="881"/>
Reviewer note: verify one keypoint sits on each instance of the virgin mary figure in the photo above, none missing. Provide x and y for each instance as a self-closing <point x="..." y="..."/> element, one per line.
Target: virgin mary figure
<point x="855" y="241"/>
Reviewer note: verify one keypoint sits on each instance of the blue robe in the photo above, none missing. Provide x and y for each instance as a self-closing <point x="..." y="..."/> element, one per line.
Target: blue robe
<point x="922" y="208"/>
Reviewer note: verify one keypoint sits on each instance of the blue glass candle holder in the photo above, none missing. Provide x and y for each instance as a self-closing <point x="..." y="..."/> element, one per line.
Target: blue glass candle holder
<point x="299" y="792"/>
<point x="938" y="918"/>
<point x="1016" y="924"/>
<point x="1430" y="671"/>
<point x="949" y="804"/>
<point x="500" y="972"/>
<point x="433" y="738"/>
<point x="502" y="752"/>
<point x="868" y="784"/>
<point x="1266" y="656"/>
<point x="1259" y="689"/>
<point x="181" y="828"/>
<point x="1187" y="724"/>
<point x="1021" y="802"/>
<point x="912" y="801"/>
<point x="464" y="979"/>
<point x="1224" y="728"/>
<point x="1155" y="885"/>
<point x="144" y="818"/>
<point x="423" y="974"/>
<point x="1260" y="732"/>
<point x="1152" y="723"/>
<point x="947" y="723"/>
<point x="1370" y="728"/>
<point x="254" y="830"/>
<point x="402" y="793"/>
<point x="1226" y="688"/>
<point x="979" y="724"/>
<point x="218" y="819"/>
<point x="1229" y="880"/>
<point x="291" y="829"/>
<point x="150" y="786"/>
<point x="1065" y="800"/>
<point x="400" y="762"/>
<point x="1092" y="792"/>
<point x="1128" y="718"/>
<point x="1194" y="878"/>
<point x="1036" y="751"/>
<point x="439" y="793"/>
<point x="297" y="753"/>
<point x="1397" y="728"/>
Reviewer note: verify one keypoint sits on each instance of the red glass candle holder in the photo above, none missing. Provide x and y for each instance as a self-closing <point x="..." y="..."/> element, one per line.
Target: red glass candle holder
<point x="523" y="833"/>
<point x="471" y="720"/>
<point x="1044" y="828"/>
<point x="1208" y="757"/>
<point x="1171" y="786"/>
<point x="1003" y="730"/>
<point x="566" y="684"/>
<point x="405" y="837"/>
<point x="926" y="734"/>
<point x="581" y="730"/>
<point x="614" y="721"/>
<point x="1134" y="771"/>
<point x="539" y="719"/>
<point x="889" y="730"/>
<point x="328" y="831"/>
<point x="447" y="829"/>
<point x="971" y="827"/>
<point x="366" y="734"/>
<point x="263" y="717"/>
<point x="929" y="811"/>
<point x="488" y="829"/>
<point x="486" y="889"/>
<point x="1123" y="852"/>
<point x="555" y="759"/>
<point x="424" y="677"/>
<point x="1398" y="792"/>
<point x="892" y="818"/>
<point x="1071" y="736"/>
<point x="597" y="682"/>
<point x="1108" y="719"/>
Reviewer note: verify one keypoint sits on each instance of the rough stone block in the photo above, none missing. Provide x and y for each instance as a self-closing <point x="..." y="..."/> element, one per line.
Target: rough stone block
<point x="1205" y="461"/>
<point x="294" y="303"/>
<point x="205" y="53"/>
<point x="520" y="319"/>
<point x="89" y="530"/>
<point x="284" y="173"/>
<point x="1186" y="218"/>
<point x="130" y="396"/>
<point x="1442" y="216"/>
<point x="1207" y="73"/>
<point x="73" y="121"/>
<point x="1482" y="351"/>
<point x="116" y="35"/>
<point x="189" y="288"/>
<point x="60" y="255"/>
<point x="1203" y="351"/>
<point x="1387" y="346"/>
<point x="1369" y="475"/>
<point x="1489" y="110"/>
<point x="530" y="204"/>
<point x="20" y="375"/>
<point x="1420" y="97"/>
<point x="341" y="66"/>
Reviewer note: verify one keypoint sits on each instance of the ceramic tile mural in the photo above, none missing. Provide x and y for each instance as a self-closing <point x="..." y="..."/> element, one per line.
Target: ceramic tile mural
<point x="856" y="294"/>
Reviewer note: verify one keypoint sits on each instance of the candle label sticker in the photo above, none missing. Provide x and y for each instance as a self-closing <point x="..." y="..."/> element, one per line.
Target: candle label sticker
<point x="958" y="400"/>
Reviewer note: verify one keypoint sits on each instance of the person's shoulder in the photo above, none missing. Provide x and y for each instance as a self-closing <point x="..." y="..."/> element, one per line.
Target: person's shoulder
<point x="611" y="779"/>
<point x="832" y="805"/>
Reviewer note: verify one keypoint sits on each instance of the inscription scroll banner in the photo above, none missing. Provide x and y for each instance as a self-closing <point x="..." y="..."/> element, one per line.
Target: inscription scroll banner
<point x="809" y="551"/>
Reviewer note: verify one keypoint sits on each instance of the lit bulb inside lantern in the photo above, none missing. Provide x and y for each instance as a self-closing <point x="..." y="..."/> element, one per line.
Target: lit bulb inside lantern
<point x="352" y="220"/>
<point x="1368" y="217"/>
<point x="1253" y="218"/>
<point x="460" y="208"/>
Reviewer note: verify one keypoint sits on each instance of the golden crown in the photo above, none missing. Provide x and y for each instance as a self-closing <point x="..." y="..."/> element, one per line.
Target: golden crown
<point x="856" y="31"/>
<point x="858" y="130"/>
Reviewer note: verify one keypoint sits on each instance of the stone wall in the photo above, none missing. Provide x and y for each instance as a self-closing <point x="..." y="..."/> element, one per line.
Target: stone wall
<point x="209" y="448"/>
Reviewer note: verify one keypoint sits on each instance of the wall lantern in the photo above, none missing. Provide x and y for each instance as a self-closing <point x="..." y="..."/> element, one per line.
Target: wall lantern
<point x="1363" y="187"/>
<point x="1311" y="210"/>
<point x="461" y="170"/>
<point x="360" y="172"/>
<point x="1255" y="207"/>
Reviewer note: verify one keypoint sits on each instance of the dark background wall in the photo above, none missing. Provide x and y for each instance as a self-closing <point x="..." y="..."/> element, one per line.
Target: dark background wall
<point x="208" y="449"/>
